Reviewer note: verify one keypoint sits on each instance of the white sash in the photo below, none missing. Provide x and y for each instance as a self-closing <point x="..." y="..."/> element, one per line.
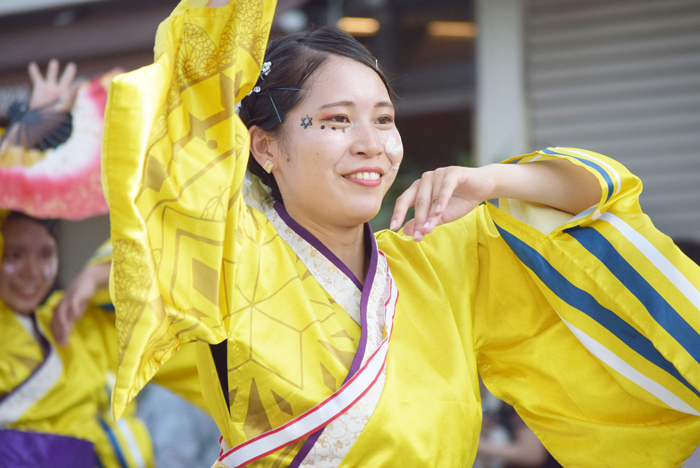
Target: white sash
<point x="37" y="385"/>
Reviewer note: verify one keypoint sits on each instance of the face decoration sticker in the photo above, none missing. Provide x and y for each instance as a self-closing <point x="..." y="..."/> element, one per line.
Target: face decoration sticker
<point x="323" y="127"/>
<point x="307" y="121"/>
<point x="393" y="148"/>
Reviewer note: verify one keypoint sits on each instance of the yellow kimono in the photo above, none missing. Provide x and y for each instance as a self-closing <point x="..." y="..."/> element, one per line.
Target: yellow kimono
<point x="54" y="400"/>
<point x="587" y="325"/>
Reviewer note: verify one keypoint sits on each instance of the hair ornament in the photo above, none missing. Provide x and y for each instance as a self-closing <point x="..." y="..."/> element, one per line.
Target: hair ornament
<point x="267" y="66"/>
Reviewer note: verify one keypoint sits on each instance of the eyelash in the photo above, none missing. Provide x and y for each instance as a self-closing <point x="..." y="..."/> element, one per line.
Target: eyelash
<point x="335" y="118"/>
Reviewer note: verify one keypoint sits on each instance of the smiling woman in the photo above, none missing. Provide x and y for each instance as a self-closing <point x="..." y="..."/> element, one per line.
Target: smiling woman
<point x="29" y="262"/>
<point x="52" y="395"/>
<point x="323" y="344"/>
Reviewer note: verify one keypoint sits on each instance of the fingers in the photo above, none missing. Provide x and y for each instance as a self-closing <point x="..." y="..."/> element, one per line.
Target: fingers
<point x="59" y="322"/>
<point x="430" y="197"/>
<point x="403" y="203"/>
<point x="35" y="74"/>
<point x="52" y="71"/>
<point x="442" y="195"/>
<point x="68" y="76"/>
<point x="422" y="206"/>
<point x="410" y="226"/>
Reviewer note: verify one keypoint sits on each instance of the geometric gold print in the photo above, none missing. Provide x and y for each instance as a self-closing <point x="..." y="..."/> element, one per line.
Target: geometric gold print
<point x="328" y="378"/>
<point x="342" y="334"/>
<point x="232" y="396"/>
<point x="155" y="174"/>
<point x="344" y="357"/>
<point x="205" y="280"/>
<point x="283" y="404"/>
<point x="256" y="421"/>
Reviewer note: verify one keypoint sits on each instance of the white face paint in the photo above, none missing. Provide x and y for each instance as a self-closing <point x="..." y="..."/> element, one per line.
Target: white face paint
<point x="9" y="268"/>
<point x="394" y="149"/>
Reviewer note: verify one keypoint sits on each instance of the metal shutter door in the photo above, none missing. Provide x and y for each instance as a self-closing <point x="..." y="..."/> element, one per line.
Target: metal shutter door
<point x="622" y="78"/>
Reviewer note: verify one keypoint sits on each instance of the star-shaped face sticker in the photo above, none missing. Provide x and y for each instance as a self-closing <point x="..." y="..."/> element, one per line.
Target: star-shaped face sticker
<point x="306" y="122"/>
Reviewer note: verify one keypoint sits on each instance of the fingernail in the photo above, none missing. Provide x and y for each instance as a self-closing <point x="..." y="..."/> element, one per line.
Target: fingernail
<point x="392" y="226"/>
<point x="416" y="235"/>
<point x="427" y="223"/>
<point x="438" y="209"/>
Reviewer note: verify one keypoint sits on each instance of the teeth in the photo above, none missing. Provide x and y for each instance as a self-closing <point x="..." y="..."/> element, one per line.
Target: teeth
<point x="365" y="176"/>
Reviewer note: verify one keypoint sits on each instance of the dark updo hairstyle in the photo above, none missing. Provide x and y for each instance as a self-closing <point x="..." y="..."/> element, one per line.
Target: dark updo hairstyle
<point x="294" y="59"/>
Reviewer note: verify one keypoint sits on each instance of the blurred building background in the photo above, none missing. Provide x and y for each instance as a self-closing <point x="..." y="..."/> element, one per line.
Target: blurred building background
<point x="478" y="80"/>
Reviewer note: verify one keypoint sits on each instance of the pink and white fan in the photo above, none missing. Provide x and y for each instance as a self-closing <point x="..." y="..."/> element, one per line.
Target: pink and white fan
<point x="65" y="181"/>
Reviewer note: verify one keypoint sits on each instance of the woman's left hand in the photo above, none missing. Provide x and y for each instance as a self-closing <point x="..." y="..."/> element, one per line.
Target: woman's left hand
<point x="442" y="196"/>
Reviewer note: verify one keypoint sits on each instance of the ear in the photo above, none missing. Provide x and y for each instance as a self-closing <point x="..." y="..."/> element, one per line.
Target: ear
<point x="260" y="145"/>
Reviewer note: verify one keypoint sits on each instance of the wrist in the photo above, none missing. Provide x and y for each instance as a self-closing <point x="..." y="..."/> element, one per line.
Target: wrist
<point x="494" y="181"/>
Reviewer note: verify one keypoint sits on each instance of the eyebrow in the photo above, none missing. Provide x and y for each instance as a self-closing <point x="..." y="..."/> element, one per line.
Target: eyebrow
<point x="352" y="104"/>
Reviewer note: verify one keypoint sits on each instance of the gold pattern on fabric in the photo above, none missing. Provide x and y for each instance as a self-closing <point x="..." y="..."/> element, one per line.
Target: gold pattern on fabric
<point x="171" y="133"/>
<point x="256" y="421"/>
<point x="283" y="404"/>
<point x="205" y="280"/>
<point x="328" y="378"/>
<point x="345" y="357"/>
<point x="341" y="334"/>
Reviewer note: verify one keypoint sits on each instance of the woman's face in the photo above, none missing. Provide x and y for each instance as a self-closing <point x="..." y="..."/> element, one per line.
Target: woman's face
<point x="29" y="264"/>
<point x="333" y="161"/>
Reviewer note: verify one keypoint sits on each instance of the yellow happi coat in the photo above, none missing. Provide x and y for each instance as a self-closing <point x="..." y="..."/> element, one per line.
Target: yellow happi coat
<point x="587" y="325"/>
<point x="76" y="403"/>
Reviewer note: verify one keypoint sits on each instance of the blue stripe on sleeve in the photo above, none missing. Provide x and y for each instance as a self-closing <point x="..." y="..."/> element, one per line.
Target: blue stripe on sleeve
<point x="656" y="305"/>
<point x="115" y="444"/>
<point x="591" y="164"/>
<point x="587" y="304"/>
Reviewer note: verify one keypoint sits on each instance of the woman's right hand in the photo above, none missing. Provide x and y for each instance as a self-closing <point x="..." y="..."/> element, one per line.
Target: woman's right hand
<point x="75" y="302"/>
<point x="442" y="196"/>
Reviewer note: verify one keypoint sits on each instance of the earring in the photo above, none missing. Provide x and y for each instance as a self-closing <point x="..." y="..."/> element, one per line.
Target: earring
<point x="268" y="166"/>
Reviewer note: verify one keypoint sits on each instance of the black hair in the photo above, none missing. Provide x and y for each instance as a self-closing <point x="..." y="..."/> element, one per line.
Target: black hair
<point x="50" y="224"/>
<point x="294" y="59"/>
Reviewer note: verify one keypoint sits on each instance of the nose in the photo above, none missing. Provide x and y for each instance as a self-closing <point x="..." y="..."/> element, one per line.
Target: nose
<point x="367" y="142"/>
<point x="31" y="269"/>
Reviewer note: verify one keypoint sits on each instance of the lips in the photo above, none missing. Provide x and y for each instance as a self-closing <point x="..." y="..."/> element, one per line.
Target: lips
<point x="27" y="294"/>
<point x="366" y="176"/>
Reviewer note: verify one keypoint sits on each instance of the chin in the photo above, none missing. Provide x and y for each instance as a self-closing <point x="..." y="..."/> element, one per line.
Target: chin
<point x="361" y="213"/>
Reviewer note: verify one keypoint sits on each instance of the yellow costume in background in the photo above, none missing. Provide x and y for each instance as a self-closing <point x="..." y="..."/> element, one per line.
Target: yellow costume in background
<point x="73" y="395"/>
<point x="58" y="396"/>
<point x="587" y="325"/>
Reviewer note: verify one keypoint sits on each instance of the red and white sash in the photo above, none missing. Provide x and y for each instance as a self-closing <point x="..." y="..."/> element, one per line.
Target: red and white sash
<point x="326" y="411"/>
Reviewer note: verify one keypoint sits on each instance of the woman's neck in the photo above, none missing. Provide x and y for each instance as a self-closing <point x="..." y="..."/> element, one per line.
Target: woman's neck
<point x="347" y="243"/>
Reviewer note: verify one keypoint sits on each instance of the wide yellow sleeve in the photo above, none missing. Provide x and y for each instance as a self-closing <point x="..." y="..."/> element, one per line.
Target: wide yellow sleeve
<point x="589" y="325"/>
<point x="175" y="155"/>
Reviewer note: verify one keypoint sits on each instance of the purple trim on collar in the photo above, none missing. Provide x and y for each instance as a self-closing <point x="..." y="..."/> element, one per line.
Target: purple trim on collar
<point x="317" y="244"/>
<point x="359" y="355"/>
<point x="47" y="350"/>
<point x="43" y="450"/>
<point x="366" y="289"/>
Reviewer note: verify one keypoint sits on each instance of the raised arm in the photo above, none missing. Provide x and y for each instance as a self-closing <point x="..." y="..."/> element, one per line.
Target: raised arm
<point x="450" y="193"/>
